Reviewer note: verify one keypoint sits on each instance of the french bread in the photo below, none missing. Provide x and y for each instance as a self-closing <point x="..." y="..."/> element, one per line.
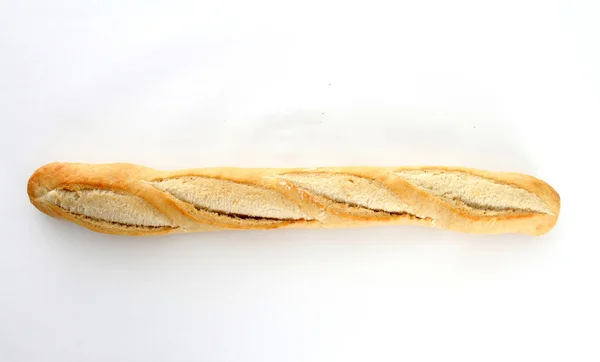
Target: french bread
<point x="135" y="200"/>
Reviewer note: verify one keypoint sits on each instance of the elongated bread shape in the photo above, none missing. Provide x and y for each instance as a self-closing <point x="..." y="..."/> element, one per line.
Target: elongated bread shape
<point x="135" y="200"/>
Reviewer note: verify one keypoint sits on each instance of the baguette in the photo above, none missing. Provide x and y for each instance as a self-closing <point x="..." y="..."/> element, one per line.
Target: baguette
<point x="135" y="200"/>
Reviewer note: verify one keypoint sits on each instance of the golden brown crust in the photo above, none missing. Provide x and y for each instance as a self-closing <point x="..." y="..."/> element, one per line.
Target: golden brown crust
<point x="384" y="197"/>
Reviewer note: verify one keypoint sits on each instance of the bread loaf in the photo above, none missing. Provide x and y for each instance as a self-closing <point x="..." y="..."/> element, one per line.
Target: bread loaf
<point x="134" y="200"/>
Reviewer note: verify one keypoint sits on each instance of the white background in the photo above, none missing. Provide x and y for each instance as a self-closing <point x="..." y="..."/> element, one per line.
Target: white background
<point x="499" y="85"/>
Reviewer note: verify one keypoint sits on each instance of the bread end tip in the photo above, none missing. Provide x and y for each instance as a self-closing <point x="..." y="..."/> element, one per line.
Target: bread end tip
<point x="38" y="187"/>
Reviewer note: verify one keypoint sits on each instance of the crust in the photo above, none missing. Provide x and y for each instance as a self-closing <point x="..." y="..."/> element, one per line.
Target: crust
<point x="423" y="206"/>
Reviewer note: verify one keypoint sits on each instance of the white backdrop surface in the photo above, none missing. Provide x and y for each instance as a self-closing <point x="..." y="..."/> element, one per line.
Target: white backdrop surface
<point x="506" y="86"/>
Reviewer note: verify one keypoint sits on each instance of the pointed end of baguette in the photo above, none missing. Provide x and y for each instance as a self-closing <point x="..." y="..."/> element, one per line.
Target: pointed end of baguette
<point x="39" y="185"/>
<point x="58" y="175"/>
<point x="552" y="199"/>
<point x="540" y="224"/>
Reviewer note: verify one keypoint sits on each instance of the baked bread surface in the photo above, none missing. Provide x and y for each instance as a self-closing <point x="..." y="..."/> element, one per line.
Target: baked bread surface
<point x="135" y="200"/>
